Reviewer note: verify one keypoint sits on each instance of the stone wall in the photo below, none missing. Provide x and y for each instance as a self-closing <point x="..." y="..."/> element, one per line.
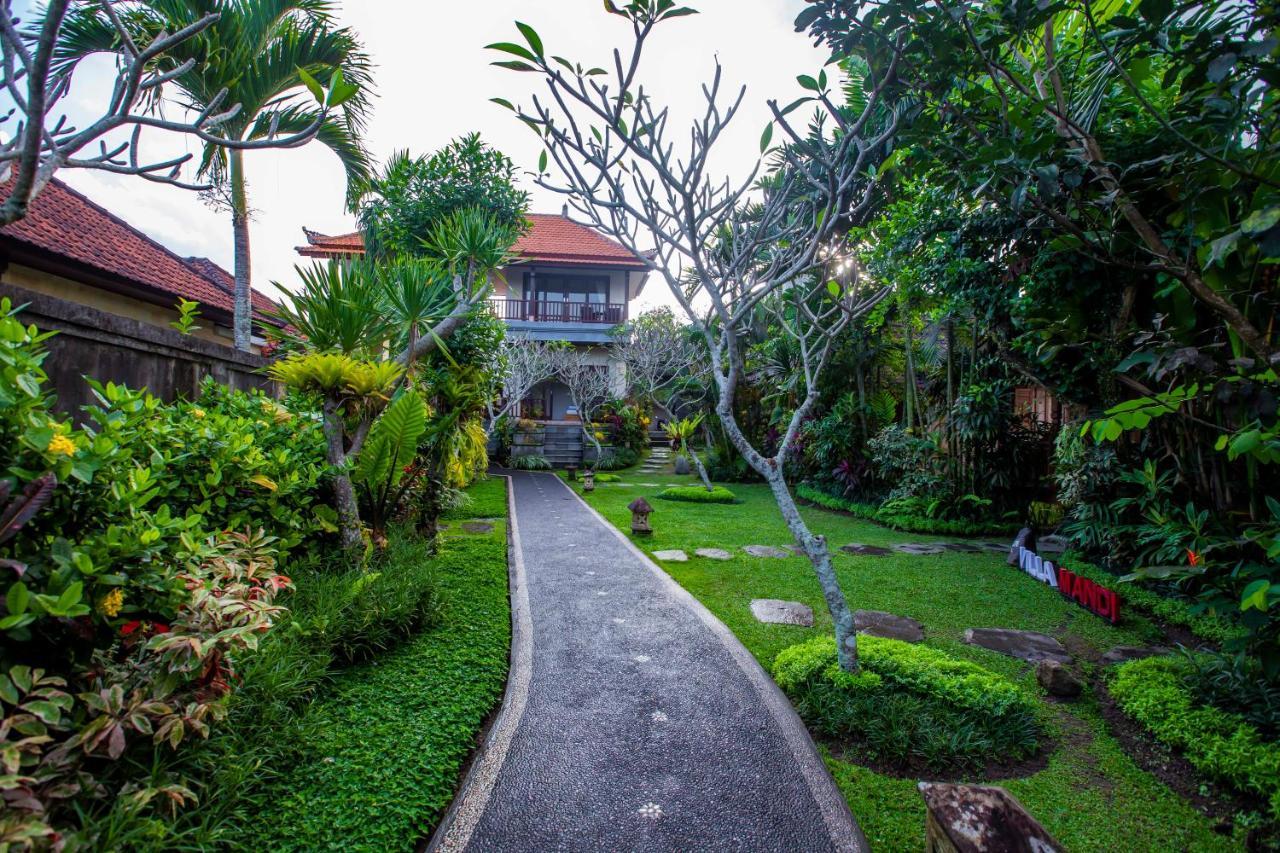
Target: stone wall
<point x="108" y="347"/>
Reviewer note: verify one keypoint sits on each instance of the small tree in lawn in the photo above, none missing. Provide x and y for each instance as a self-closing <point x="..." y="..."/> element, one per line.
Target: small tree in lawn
<point x="660" y="357"/>
<point x="588" y="384"/>
<point x="742" y="246"/>
<point x="522" y="364"/>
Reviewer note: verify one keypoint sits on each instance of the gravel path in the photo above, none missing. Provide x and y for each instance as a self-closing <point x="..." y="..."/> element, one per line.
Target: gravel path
<point x="634" y="720"/>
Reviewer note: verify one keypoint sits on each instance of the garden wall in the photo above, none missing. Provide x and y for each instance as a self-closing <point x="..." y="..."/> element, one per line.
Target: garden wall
<point x="112" y="348"/>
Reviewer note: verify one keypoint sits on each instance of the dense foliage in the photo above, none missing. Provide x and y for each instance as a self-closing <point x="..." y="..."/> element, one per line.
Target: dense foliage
<point x="697" y="494"/>
<point x="404" y="202"/>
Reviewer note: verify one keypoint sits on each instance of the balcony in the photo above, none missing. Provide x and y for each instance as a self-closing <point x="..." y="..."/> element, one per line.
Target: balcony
<point x="560" y="311"/>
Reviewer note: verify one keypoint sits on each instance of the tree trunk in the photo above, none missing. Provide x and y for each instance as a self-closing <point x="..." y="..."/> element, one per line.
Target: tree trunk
<point x="702" y="469"/>
<point x="243" y="321"/>
<point x="344" y="494"/>
<point x="815" y="548"/>
<point x="430" y="509"/>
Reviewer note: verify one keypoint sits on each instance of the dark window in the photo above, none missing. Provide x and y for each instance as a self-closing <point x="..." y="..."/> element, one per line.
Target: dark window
<point x="571" y="288"/>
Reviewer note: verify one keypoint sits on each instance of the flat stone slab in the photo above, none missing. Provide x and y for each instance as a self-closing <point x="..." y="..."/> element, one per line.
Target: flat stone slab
<point x="477" y="526"/>
<point x="865" y="550"/>
<point x="1051" y="545"/>
<point x="877" y="623"/>
<point x="766" y="551"/>
<point x="672" y="556"/>
<point x="918" y="549"/>
<point x="962" y="547"/>
<point x="714" y="553"/>
<point x="777" y="612"/>
<point x="1121" y="654"/>
<point x="993" y="547"/>
<point x="1027" y="645"/>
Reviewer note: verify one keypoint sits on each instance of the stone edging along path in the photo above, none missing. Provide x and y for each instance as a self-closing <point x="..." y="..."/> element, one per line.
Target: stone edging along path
<point x="596" y="747"/>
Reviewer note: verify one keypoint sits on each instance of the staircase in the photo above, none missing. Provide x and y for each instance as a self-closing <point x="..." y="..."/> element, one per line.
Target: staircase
<point x="563" y="445"/>
<point x="658" y="461"/>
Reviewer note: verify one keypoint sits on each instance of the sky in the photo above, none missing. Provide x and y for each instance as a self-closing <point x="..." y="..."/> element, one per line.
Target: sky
<point x="433" y="83"/>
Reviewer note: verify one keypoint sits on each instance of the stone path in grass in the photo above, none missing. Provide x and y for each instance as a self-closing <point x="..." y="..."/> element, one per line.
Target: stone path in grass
<point x="634" y="720"/>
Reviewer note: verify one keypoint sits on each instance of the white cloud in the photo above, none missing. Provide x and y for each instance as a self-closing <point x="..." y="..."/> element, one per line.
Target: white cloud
<point x="434" y="82"/>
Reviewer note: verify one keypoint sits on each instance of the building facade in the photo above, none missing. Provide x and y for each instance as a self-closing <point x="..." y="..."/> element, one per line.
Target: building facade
<point x="568" y="283"/>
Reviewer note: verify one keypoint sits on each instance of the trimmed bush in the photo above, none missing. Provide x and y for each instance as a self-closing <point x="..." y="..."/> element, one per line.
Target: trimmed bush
<point x="909" y="704"/>
<point x="698" y="495"/>
<point x="1155" y="692"/>
<point x="607" y="478"/>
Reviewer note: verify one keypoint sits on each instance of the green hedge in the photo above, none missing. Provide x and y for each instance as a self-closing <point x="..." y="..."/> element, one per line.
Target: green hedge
<point x="909" y="703"/>
<point x="698" y="495"/>
<point x="1154" y="691"/>
<point x="1162" y="608"/>
<point x="908" y="523"/>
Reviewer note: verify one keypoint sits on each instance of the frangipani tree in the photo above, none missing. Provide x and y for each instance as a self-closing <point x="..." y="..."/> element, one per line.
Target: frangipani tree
<point x="522" y="364"/>
<point x="588" y="383"/>
<point x="660" y="357"/>
<point x="348" y="317"/>
<point x="740" y="246"/>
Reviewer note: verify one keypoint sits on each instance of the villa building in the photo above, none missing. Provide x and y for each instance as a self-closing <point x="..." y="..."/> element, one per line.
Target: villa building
<point x="568" y="283"/>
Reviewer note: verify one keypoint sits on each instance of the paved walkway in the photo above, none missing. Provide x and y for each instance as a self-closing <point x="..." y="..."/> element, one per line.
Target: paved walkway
<point x="633" y="719"/>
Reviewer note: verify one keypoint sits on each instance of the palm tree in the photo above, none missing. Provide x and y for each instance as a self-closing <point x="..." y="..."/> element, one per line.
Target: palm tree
<point x="272" y="58"/>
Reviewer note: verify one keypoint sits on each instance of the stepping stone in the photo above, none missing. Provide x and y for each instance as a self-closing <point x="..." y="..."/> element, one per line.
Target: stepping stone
<point x="962" y="547"/>
<point x="877" y="623"/>
<point x="672" y="556"/>
<point x="650" y="485"/>
<point x="1027" y="645"/>
<point x="1121" y="654"/>
<point x="714" y="553"/>
<point x="765" y="551"/>
<point x="478" y="526"/>
<point x="774" y="611"/>
<point x="865" y="550"/>
<point x="993" y="547"/>
<point x="918" y="549"/>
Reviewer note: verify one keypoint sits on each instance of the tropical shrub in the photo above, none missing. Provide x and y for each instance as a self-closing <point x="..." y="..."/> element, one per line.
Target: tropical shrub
<point x="628" y="425"/>
<point x="1223" y="745"/>
<point x="157" y="683"/>
<point x="909" y="704"/>
<point x="698" y="494"/>
<point x="615" y="458"/>
<point x="386" y="458"/>
<point x="531" y="462"/>
<point x="907" y="514"/>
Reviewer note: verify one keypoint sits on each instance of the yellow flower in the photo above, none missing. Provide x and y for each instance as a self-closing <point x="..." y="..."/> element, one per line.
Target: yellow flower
<point x="111" y="603"/>
<point x="198" y="414"/>
<point x="599" y="435"/>
<point x="62" y="445"/>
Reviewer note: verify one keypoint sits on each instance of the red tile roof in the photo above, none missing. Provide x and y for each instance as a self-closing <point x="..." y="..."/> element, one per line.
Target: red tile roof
<point x="66" y="224"/>
<point x="551" y="239"/>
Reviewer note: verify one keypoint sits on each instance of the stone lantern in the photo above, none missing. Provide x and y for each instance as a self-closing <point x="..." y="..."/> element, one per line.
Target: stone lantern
<point x="572" y="471"/>
<point x="588" y="480"/>
<point x="640" y="510"/>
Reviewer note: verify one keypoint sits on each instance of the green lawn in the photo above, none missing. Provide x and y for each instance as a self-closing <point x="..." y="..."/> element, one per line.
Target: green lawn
<point x="383" y="748"/>
<point x="1091" y="796"/>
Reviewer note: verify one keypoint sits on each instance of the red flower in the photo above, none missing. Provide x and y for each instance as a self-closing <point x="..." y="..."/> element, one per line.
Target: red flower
<point x="1193" y="558"/>
<point x="129" y="627"/>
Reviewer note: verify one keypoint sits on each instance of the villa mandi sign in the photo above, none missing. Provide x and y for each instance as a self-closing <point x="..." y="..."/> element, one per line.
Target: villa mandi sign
<point x="1093" y="597"/>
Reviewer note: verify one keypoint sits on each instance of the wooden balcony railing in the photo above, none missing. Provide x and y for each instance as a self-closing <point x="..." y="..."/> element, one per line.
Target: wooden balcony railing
<point x="559" y="311"/>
